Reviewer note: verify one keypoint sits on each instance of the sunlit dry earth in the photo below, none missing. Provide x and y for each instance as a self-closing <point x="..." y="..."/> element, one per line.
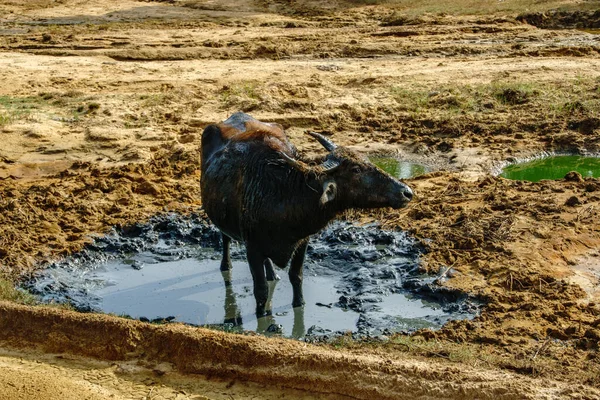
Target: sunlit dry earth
<point x="104" y="103"/>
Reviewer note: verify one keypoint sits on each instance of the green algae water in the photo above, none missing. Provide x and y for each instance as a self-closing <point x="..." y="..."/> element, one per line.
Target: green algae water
<point x="399" y="169"/>
<point x="554" y="167"/>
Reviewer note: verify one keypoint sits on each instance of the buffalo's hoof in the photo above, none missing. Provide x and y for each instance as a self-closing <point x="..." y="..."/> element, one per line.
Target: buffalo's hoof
<point x="261" y="309"/>
<point x="298" y="303"/>
<point x="225" y="266"/>
<point x="261" y="312"/>
<point x="272" y="277"/>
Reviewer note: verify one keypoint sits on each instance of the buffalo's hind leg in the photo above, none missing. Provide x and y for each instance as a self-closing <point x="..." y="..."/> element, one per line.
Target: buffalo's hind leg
<point x="296" y="273"/>
<point x="257" y="267"/>
<point x="270" y="271"/>
<point x="226" y="260"/>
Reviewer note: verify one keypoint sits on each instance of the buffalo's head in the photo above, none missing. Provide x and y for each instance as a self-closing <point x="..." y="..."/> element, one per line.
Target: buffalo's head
<point x="352" y="181"/>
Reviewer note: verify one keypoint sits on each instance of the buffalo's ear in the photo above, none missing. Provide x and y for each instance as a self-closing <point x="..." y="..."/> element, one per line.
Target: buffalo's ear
<point x="329" y="192"/>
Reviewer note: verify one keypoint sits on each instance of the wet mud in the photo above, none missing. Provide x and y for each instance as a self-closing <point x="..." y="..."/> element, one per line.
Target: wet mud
<point x="358" y="279"/>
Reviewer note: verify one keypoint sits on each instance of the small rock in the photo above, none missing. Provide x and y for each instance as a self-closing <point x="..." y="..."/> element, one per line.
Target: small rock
<point x="571" y="330"/>
<point x="137" y="265"/>
<point x="189" y="138"/>
<point x="467" y="244"/>
<point x="557" y="334"/>
<point x="197" y="123"/>
<point x="573" y="176"/>
<point x="162" y="369"/>
<point x="275" y="328"/>
<point x="147" y="188"/>
<point x="329" y="67"/>
<point x="573" y="201"/>
<point x="444" y="147"/>
<point x="593" y="334"/>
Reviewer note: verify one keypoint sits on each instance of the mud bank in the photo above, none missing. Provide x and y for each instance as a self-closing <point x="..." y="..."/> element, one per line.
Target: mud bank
<point x="283" y="363"/>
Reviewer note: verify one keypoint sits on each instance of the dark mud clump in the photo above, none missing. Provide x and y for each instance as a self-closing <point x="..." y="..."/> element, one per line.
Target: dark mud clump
<point x="358" y="279"/>
<point x="562" y="19"/>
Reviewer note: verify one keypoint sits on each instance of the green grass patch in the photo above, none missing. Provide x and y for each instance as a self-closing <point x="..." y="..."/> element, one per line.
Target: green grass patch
<point x="9" y="292"/>
<point x="410" y="100"/>
<point x="245" y="95"/>
<point x="156" y="99"/>
<point x="247" y="89"/>
<point x="513" y="93"/>
<point x="13" y="109"/>
<point x="68" y="105"/>
<point x="563" y="98"/>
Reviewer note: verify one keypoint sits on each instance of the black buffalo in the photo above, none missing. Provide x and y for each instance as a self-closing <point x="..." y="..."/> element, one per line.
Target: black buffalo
<point x="257" y="190"/>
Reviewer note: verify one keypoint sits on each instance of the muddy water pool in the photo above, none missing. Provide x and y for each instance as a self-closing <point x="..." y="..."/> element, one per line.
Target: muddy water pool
<point x="357" y="279"/>
<point x="552" y="167"/>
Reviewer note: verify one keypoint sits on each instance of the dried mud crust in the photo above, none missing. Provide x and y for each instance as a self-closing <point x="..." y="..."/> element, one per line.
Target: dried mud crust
<point x="31" y="374"/>
<point x="97" y="86"/>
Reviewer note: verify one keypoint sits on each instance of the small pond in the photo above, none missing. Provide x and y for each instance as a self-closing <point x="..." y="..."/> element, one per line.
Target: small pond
<point x="398" y="168"/>
<point x="358" y="279"/>
<point x="553" y="167"/>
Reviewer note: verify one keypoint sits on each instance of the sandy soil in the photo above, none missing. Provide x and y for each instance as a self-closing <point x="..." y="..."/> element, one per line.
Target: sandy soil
<point x="100" y="126"/>
<point x="31" y="374"/>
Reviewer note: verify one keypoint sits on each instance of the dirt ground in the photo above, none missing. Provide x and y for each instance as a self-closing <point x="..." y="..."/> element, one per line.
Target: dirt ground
<point x="101" y="112"/>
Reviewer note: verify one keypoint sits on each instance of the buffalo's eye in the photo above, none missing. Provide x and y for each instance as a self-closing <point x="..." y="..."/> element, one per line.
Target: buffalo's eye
<point x="356" y="169"/>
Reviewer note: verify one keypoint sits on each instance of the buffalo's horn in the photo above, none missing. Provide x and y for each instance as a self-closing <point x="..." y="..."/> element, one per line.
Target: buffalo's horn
<point x="291" y="161"/>
<point x="329" y="165"/>
<point x="328" y="144"/>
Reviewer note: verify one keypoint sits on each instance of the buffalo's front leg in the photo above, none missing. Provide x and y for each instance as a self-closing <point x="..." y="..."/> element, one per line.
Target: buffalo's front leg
<point x="261" y="291"/>
<point x="296" y="274"/>
<point x="226" y="260"/>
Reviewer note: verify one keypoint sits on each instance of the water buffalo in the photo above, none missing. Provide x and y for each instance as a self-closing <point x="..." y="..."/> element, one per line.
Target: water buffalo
<point x="257" y="190"/>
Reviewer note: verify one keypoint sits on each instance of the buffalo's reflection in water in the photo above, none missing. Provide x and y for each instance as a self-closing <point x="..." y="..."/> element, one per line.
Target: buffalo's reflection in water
<point x="266" y="324"/>
<point x="233" y="317"/>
